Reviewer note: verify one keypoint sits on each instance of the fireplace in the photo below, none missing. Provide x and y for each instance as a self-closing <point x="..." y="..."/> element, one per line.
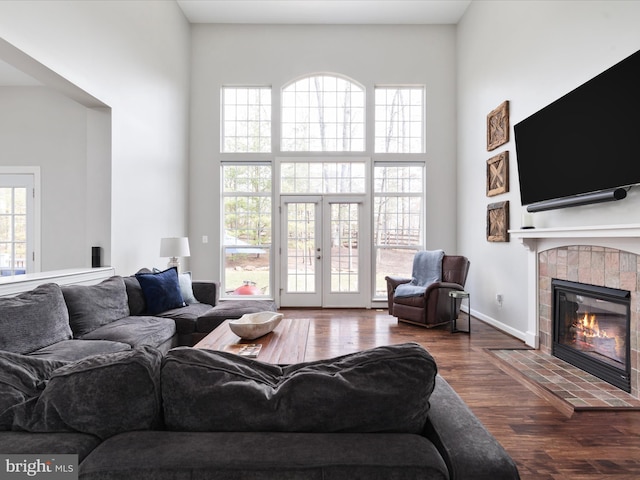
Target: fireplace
<point x="591" y="329"/>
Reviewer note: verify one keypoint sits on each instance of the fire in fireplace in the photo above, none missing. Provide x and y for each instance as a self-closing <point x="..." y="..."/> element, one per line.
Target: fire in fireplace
<point x="591" y="330"/>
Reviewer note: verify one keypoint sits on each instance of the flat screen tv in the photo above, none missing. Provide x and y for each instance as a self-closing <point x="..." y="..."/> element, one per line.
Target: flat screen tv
<point x="586" y="141"/>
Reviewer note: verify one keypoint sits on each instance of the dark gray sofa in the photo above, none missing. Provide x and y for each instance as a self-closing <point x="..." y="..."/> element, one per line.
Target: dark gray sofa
<point x="379" y="414"/>
<point x="76" y="321"/>
<point x="203" y="311"/>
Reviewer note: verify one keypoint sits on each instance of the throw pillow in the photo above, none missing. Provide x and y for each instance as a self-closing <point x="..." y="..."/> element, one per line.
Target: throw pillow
<point x="161" y="290"/>
<point x="92" y="306"/>
<point x="33" y="320"/>
<point x="21" y="377"/>
<point x="135" y="296"/>
<point x="101" y="395"/>
<point x="385" y="389"/>
<point x="186" y="288"/>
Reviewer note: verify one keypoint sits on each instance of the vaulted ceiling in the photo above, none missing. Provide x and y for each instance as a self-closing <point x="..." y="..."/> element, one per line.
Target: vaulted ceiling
<point x="344" y="12"/>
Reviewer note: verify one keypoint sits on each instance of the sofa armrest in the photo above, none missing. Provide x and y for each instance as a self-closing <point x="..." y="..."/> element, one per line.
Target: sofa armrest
<point x="206" y="292"/>
<point x="468" y="448"/>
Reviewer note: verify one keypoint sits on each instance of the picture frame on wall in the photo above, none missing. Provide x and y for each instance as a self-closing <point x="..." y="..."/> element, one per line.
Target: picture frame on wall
<point x="498" y="174"/>
<point x="498" y="222"/>
<point x="498" y="126"/>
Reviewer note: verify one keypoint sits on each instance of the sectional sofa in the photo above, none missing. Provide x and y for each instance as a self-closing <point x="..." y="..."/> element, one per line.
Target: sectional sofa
<point x="130" y="405"/>
<point x="162" y="309"/>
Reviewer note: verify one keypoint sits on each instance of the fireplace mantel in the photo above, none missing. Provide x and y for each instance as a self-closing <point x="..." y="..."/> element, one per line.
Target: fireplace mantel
<point x="622" y="237"/>
<point x="626" y="234"/>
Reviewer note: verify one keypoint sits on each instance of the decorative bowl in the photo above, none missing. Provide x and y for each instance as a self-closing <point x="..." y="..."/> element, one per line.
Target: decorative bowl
<point x="254" y="325"/>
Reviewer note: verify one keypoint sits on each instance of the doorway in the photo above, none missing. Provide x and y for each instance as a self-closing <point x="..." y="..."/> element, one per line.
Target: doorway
<point x="323" y="262"/>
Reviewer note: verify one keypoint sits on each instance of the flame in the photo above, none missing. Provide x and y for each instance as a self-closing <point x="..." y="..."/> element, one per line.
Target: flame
<point x="589" y="327"/>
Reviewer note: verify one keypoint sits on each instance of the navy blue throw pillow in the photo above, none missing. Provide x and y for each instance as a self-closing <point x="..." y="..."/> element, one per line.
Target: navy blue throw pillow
<point x="161" y="290"/>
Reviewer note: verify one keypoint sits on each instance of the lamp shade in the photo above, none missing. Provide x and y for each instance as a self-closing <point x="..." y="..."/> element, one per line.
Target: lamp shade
<point x="174" y="247"/>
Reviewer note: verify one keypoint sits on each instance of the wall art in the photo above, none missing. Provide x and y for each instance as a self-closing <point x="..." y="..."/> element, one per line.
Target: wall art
<point x="498" y="126"/>
<point x="498" y="222"/>
<point x="498" y="174"/>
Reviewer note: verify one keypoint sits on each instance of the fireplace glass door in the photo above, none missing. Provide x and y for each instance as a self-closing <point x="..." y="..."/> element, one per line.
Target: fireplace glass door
<point x="591" y="330"/>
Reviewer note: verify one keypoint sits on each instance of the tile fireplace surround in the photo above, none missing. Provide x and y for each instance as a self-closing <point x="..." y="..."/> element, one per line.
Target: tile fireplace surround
<point x="604" y="255"/>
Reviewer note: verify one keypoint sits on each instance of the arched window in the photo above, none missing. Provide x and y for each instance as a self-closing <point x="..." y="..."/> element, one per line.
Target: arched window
<point x="323" y="113"/>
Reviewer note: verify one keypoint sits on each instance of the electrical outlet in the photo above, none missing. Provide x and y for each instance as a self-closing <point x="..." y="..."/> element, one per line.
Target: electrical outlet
<point x="205" y="239"/>
<point x="499" y="298"/>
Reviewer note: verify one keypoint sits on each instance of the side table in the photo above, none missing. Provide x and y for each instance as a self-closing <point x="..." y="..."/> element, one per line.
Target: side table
<point x="456" y="295"/>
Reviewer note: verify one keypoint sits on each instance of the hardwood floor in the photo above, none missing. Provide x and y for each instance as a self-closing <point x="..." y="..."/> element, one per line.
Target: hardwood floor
<point x="545" y="443"/>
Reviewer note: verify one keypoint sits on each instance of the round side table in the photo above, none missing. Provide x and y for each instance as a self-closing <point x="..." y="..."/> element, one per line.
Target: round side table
<point x="456" y="295"/>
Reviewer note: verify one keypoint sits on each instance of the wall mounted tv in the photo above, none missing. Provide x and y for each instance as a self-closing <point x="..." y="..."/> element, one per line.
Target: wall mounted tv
<point x="585" y="146"/>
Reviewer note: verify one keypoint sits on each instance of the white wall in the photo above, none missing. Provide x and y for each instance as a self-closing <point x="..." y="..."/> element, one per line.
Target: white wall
<point x="134" y="57"/>
<point x="275" y="55"/>
<point x="530" y="53"/>
<point x="42" y="128"/>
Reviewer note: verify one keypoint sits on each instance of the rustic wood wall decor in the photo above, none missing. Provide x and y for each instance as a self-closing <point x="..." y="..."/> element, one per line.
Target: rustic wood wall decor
<point x="498" y="222"/>
<point x="498" y="126"/>
<point x="498" y="174"/>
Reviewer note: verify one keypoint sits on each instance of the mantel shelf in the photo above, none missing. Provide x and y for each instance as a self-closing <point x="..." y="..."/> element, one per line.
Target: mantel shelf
<point x="592" y="231"/>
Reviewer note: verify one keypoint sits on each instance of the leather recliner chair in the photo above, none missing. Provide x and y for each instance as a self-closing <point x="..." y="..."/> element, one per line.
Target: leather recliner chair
<point x="434" y="306"/>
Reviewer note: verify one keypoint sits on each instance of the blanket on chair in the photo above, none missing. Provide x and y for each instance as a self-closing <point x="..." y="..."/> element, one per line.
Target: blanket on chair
<point x="427" y="269"/>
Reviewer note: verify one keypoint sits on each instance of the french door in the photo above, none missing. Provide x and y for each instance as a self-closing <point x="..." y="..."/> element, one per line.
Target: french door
<point x="323" y="251"/>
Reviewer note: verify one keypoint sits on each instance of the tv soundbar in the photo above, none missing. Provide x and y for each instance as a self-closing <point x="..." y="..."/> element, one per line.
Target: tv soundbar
<point x="577" y="200"/>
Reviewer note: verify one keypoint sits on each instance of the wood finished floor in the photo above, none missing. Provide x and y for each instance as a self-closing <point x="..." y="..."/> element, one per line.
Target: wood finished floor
<point x="545" y="443"/>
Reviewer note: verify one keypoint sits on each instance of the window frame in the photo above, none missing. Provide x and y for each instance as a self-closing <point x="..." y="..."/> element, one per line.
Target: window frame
<point x="239" y="246"/>
<point x="375" y="194"/>
<point x="299" y="108"/>
<point x="238" y="125"/>
<point x="377" y="121"/>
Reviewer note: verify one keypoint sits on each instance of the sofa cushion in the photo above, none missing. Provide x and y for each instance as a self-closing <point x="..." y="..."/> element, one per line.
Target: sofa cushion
<point x="27" y="443"/>
<point x="76" y="349"/>
<point x="33" y="319"/>
<point x="231" y="309"/>
<point x="91" y="306"/>
<point x="21" y="377"/>
<point x="161" y="455"/>
<point x="100" y="395"/>
<point x="186" y="317"/>
<point x="136" y="331"/>
<point x="161" y="290"/>
<point x="385" y="389"/>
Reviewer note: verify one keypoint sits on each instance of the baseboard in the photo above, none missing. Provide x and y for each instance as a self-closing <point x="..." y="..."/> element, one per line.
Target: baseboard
<point x="499" y="325"/>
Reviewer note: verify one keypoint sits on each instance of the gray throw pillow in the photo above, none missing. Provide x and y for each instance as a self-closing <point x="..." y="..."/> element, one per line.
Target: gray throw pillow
<point x="134" y="296"/>
<point x="33" y="320"/>
<point x="92" y="306"/>
<point x="101" y="395"/>
<point x="186" y="288"/>
<point x="385" y="389"/>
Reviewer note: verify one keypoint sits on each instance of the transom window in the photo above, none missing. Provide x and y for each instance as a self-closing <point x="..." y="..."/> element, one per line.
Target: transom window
<point x="399" y="120"/>
<point x="303" y="177"/>
<point x="246" y="119"/>
<point x="323" y="113"/>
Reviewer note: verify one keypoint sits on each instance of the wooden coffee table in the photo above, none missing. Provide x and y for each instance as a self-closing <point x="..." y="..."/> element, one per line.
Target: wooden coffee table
<point x="286" y="344"/>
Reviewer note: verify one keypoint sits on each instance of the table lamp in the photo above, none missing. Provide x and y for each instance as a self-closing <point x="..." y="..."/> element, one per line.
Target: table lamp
<point x="174" y="247"/>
